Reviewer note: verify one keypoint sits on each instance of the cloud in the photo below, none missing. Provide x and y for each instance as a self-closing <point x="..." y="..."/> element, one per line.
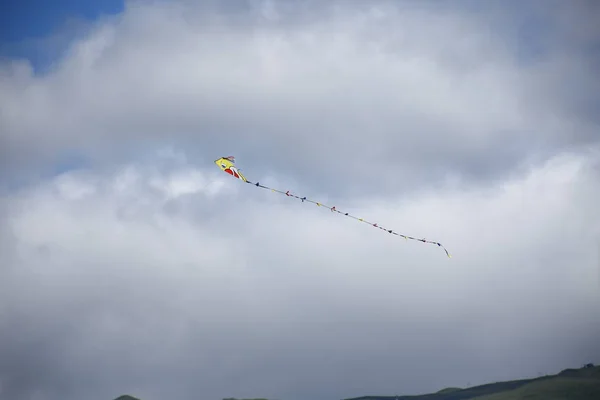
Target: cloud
<point x="427" y="93"/>
<point x="117" y="281"/>
<point x="147" y="270"/>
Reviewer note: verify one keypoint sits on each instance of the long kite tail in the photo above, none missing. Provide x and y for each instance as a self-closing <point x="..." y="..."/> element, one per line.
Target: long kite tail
<point x="333" y="209"/>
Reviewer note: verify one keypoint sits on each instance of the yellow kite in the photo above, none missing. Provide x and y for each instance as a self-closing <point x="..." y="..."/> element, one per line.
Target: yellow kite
<point x="227" y="164"/>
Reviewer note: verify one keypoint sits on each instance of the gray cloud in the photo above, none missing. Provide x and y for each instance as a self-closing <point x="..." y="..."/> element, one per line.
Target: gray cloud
<point x="151" y="272"/>
<point x="112" y="291"/>
<point x="427" y="92"/>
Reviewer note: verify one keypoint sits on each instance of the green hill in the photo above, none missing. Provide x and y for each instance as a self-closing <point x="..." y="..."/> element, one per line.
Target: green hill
<point x="553" y="389"/>
<point x="570" y="384"/>
<point x="449" y="390"/>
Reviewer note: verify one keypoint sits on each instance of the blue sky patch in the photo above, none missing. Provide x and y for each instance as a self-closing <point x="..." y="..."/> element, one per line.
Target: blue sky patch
<point x="40" y="30"/>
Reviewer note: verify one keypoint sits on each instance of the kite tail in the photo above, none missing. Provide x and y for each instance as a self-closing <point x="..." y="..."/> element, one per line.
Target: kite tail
<point x="333" y="209"/>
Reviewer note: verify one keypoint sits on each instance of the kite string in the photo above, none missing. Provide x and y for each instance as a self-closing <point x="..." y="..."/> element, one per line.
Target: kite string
<point x="333" y="209"/>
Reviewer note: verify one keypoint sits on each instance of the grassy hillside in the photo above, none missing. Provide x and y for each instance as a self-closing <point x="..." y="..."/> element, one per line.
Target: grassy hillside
<point x="448" y="390"/>
<point x="554" y="389"/>
<point x="570" y="384"/>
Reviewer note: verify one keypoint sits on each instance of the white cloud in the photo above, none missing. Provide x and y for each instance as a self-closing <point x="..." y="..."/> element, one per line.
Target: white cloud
<point x="267" y="279"/>
<point x="426" y="91"/>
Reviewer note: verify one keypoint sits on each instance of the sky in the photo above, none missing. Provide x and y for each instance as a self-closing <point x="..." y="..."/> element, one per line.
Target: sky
<point x="39" y="30"/>
<point x="129" y="263"/>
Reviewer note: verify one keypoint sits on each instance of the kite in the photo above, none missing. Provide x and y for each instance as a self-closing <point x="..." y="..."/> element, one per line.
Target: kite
<point x="227" y="164"/>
